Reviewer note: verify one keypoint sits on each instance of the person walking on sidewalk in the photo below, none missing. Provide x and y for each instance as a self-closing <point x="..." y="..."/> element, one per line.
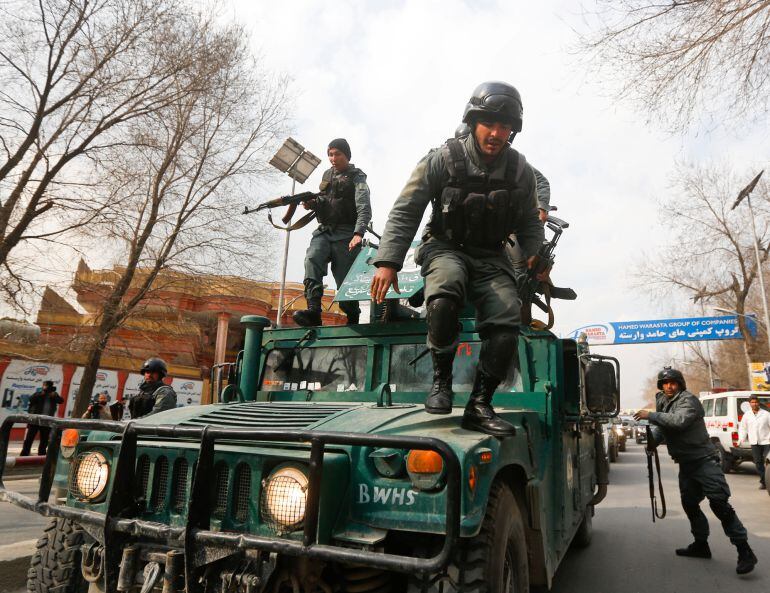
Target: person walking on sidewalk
<point x="678" y="421"/>
<point x="43" y="402"/>
<point x="755" y="428"/>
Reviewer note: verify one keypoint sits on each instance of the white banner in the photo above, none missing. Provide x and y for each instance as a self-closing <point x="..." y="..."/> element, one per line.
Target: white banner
<point x="22" y="378"/>
<point x="188" y="391"/>
<point x="106" y="382"/>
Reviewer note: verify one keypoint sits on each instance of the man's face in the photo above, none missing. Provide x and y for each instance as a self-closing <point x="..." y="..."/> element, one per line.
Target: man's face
<point x="102" y="399"/>
<point x="338" y="159"/>
<point x="492" y="136"/>
<point x="151" y="377"/>
<point x="754" y="403"/>
<point x="670" y="388"/>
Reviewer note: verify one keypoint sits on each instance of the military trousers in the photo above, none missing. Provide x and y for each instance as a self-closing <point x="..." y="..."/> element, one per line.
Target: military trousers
<point x="329" y="247"/>
<point x="487" y="281"/>
<point x="704" y="478"/>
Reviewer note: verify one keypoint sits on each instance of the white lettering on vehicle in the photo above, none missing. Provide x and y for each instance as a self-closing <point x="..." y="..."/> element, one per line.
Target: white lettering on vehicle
<point x="397" y="496"/>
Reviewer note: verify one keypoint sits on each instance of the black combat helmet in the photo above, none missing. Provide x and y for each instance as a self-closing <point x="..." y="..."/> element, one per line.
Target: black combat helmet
<point x="495" y="100"/>
<point x="154" y="365"/>
<point x="669" y="374"/>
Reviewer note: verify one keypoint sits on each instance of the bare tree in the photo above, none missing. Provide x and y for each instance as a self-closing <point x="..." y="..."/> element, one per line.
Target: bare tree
<point x="73" y="75"/>
<point x="177" y="186"/>
<point x="711" y="253"/>
<point x="686" y="57"/>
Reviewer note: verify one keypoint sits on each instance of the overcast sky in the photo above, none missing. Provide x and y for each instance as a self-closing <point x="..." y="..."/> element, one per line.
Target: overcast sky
<point x="393" y="78"/>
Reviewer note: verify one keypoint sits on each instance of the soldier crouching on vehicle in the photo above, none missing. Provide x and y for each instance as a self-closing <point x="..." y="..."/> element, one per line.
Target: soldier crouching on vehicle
<point x="678" y="421"/>
<point x="344" y="212"/>
<point x="482" y="190"/>
<point x="154" y="395"/>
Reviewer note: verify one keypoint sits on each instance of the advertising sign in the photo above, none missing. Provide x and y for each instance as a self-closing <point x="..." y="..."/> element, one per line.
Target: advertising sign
<point x="688" y="329"/>
<point x="760" y="376"/>
<point x="188" y="392"/>
<point x="106" y="381"/>
<point x="356" y="284"/>
<point x="22" y="378"/>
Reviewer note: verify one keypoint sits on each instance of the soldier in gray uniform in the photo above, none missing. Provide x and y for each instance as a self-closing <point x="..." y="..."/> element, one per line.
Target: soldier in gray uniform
<point x="481" y="190"/>
<point x="344" y="212"/>
<point x="678" y="421"/>
<point x="154" y="395"/>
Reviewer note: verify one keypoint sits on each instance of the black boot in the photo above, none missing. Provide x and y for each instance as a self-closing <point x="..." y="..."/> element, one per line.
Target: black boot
<point x="311" y="315"/>
<point x="479" y="414"/>
<point x="439" y="400"/>
<point x="697" y="549"/>
<point x="746" y="558"/>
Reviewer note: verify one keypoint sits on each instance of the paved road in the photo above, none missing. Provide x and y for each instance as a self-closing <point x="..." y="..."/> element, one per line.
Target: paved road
<point x="630" y="554"/>
<point x="17" y="524"/>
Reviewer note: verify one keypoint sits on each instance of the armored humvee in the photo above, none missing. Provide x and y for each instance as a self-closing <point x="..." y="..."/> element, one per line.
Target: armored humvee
<point x="318" y="470"/>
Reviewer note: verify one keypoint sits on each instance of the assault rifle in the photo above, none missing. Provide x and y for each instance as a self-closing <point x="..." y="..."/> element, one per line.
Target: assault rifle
<point x="531" y="287"/>
<point x="292" y="202"/>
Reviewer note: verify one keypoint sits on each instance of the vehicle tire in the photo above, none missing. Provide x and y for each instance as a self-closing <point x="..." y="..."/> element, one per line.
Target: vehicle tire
<point x="585" y="531"/>
<point x="613" y="453"/>
<point x="726" y="460"/>
<point x="494" y="561"/>
<point x="55" y="565"/>
<point x="638" y="441"/>
<point x="622" y="447"/>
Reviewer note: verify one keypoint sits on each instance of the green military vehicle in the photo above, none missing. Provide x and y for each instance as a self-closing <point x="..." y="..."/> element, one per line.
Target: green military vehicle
<point x="319" y="471"/>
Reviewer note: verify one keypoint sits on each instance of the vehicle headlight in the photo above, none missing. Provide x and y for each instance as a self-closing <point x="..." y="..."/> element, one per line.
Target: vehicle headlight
<point x="619" y="431"/>
<point x="284" y="499"/>
<point x="89" y="475"/>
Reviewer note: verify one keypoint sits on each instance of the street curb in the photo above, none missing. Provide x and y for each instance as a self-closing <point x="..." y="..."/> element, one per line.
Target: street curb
<point x="14" y="562"/>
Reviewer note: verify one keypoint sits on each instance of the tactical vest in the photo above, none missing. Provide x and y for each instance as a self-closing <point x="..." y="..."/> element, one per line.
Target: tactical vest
<point x="338" y="205"/>
<point x="476" y="211"/>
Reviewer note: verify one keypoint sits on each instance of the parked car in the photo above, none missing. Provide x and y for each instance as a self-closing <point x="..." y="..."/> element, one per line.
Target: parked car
<point x="640" y="431"/>
<point x="722" y="414"/>
<point x="620" y="433"/>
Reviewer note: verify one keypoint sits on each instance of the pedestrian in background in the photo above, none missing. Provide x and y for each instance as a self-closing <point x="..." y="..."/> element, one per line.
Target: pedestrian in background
<point x="43" y="402"/>
<point x="755" y="428"/>
<point x="678" y="421"/>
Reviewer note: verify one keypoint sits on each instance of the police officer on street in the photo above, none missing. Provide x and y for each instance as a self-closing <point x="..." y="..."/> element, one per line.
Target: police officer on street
<point x="343" y="211"/>
<point x="481" y="190"/>
<point x="154" y="395"/>
<point x="678" y="421"/>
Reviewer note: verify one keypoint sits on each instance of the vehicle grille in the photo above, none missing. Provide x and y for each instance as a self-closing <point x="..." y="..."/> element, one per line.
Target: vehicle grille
<point x="159" y="484"/>
<point x="222" y="473"/>
<point x="241" y="492"/>
<point x="269" y="415"/>
<point x="143" y="476"/>
<point x="179" y="487"/>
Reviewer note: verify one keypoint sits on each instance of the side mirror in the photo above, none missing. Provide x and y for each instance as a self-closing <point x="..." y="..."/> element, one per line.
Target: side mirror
<point x="601" y="378"/>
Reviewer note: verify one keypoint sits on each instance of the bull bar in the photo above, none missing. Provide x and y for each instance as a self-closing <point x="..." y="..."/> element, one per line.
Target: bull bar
<point x="117" y="525"/>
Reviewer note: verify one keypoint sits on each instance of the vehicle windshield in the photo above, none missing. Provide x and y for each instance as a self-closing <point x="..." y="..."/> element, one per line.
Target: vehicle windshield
<point x="744" y="405"/>
<point x="328" y="368"/>
<point x="419" y="375"/>
<point x="643" y="422"/>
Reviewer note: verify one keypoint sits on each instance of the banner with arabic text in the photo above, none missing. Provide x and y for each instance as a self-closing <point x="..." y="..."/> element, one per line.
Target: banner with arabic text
<point x="688" y="329"/>
<point x="356" y="284"/>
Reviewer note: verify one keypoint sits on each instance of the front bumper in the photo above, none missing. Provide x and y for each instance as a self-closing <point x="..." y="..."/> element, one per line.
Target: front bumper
<point x="741" y="453"/>
<point x="118" y="528"/>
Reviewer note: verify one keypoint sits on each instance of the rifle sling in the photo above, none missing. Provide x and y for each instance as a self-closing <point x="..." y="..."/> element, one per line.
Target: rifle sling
<point x="653" y="501"/>
<point x="304" y="221"/>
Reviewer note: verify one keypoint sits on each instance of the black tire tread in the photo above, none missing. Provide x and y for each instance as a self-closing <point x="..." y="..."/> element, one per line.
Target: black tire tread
<point x="55" y="565"/>
<point x="467" y="570"/>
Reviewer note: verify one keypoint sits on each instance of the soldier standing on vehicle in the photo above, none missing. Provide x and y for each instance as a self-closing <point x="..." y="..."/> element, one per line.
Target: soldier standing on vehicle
<point x="154" y="395"/>
<point x="679" y="417"/>
<point x="482" y="190"/>
<point x="755" y="428"/>
<point x="43" y="402"/>
<point x="343" y="211"/>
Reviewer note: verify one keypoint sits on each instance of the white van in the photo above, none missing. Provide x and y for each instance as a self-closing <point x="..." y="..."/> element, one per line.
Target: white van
<point x="723" y="413"/>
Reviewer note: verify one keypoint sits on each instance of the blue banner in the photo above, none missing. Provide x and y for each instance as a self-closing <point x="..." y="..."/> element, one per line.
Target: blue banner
<point x="688" y="329"/>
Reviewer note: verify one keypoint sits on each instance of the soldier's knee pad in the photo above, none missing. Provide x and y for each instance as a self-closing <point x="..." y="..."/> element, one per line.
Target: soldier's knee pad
<point x="443" y="321"/>
<point x="498" y="349"/>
